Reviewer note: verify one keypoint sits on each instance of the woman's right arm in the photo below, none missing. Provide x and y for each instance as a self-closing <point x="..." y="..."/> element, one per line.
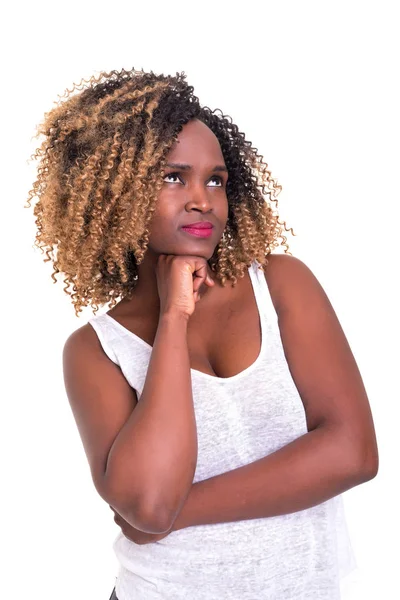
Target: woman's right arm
<point x="142" y="455"/>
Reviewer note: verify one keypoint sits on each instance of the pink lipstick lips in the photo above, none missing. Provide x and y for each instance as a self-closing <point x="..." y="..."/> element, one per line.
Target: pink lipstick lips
<point x="201" y="229"/>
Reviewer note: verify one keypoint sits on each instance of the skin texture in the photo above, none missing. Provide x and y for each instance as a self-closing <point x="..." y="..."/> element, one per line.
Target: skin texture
<point x="338" y="452"/>
<point x="202" y="196"/>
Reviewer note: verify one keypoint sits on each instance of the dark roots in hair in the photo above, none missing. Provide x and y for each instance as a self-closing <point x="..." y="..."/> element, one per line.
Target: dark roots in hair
<point x="101" y="168"/>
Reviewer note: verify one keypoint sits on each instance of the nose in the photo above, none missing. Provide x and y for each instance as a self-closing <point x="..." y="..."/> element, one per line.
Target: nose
<point x="199" y="198"/>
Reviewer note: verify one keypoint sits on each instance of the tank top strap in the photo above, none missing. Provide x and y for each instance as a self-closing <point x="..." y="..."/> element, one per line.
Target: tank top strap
<point x="103" y="329"/>
<point x="262" y="293"/>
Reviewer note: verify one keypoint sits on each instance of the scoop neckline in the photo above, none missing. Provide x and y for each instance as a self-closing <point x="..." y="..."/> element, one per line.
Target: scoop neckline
<point x="207" y="375"/>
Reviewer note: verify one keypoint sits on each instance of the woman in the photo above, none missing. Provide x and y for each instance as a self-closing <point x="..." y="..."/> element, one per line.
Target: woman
<point x="221" y="422"/>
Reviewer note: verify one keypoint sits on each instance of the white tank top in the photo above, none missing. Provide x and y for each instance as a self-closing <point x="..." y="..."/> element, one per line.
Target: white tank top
<point x="240" y="419"/>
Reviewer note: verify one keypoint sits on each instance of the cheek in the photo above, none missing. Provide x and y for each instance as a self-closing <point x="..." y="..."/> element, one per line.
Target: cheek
<point x="163" y="232"/>
<point x="166" y="209"/>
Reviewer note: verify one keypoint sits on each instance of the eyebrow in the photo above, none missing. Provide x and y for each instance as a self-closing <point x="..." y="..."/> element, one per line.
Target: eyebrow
<point x="186" y="167"/>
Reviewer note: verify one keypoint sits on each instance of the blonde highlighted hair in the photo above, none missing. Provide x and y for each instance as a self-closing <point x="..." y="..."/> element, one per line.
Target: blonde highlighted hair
<point x="101" y="168"/>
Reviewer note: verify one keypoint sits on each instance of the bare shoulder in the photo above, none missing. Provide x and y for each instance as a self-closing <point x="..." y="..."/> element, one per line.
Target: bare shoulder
<point x="288" y="279"/>
<point x="81" y="333"/>
<point x="78" y="344"/>
<point x="279" y="276"/>
<point x="82" y="339"/>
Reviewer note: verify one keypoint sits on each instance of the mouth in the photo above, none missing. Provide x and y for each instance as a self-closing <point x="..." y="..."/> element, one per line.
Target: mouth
<point x="201" y="233"/>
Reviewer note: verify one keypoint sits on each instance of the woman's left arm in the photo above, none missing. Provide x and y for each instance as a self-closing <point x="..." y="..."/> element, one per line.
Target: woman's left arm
<point x="313" y="468"/>
<point x="338" y="452"/>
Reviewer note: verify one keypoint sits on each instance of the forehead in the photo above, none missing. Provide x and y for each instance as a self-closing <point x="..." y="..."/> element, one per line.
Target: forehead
<point x="195" y="143"/>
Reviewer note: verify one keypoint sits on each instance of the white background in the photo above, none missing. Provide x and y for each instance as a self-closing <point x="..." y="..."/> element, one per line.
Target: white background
<point x="314" y="87"/>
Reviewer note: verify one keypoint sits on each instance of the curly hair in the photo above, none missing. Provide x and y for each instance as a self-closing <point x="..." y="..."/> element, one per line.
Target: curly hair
<point x="101" y="168"/>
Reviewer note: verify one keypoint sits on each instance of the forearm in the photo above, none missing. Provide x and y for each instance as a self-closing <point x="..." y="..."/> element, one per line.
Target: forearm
<point x="153" y="460"/>
<point x="313" y="468"/>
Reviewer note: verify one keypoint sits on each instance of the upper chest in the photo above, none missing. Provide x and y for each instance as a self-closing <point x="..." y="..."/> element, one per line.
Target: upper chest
<point x="224" y="332"/>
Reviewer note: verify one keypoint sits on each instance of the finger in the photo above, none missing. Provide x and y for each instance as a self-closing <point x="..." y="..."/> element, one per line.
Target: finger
<point x="209" y="281"/>
<point x="200" y="269"/>
<point x="196" y="284"/>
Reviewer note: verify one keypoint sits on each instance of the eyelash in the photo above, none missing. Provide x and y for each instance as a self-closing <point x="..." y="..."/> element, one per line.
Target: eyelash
<point x="213" y="177"/>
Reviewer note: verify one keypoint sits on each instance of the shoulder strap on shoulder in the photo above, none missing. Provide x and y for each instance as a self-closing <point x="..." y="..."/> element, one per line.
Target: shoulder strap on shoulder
<point x="100" y="326"/>
<point x="262" y="292"/>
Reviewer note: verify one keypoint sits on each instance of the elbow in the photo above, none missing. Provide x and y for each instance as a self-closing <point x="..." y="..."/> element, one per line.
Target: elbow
<point x="154" y="520"/>
<point x="139" y="510"/>
<point x="370" y="459"/>
<point x="140" y="513"/>
<point x="142" y="506"/>
<point x="358" y="455"/>
<point x="367" y="463"/>
<point x="370" y="469"/>
<point x="143" y="512"/>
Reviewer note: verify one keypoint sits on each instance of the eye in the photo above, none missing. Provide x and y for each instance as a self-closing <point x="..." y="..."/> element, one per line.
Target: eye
<point x="171" y="175"/>
<point x="214" y="177"/>
<point x="219" y="179"/>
